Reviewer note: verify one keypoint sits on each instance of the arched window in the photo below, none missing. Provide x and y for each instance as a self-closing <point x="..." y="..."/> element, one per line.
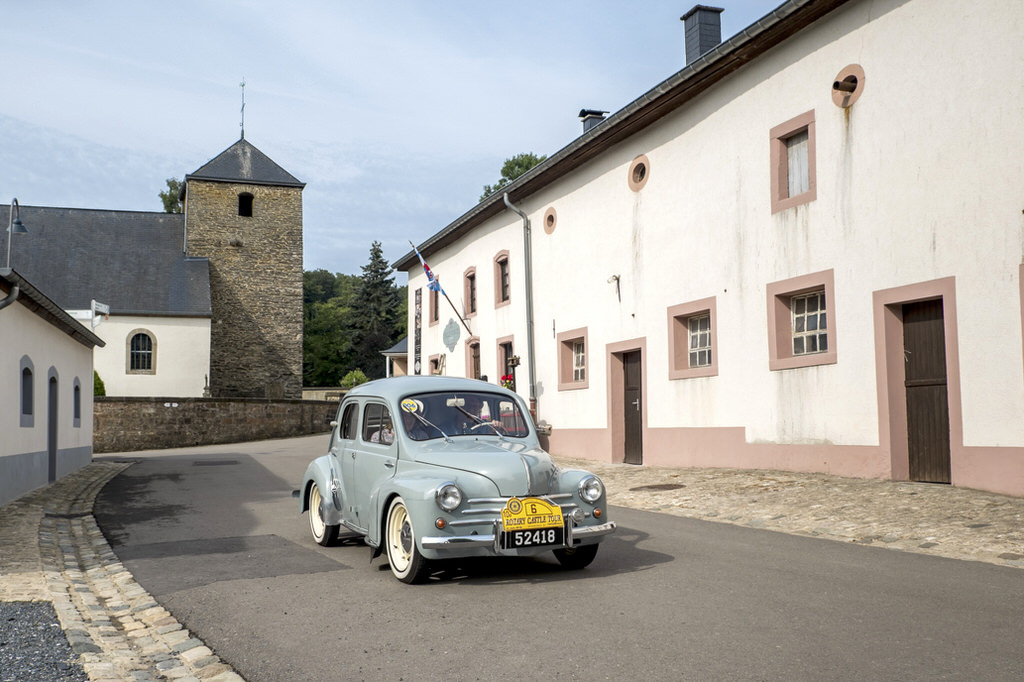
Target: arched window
<point x="245" y="205"/>
<point x="27" y="397"/>
<point x="76" y="405"/>
<point x="141" y="353"/>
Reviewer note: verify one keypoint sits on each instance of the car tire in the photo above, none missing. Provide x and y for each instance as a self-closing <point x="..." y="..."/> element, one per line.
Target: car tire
<point x="407" y="564"/>
<point x="575" y="558"/>
<point x="323" y="534"/>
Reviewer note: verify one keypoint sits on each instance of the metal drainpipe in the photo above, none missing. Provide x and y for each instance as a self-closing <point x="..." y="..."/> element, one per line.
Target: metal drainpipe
<point x="12" y="296"/>
<point x="528" y="263"/>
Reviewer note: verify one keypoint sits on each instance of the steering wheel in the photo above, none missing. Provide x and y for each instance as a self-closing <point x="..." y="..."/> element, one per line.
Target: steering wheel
<point x="493" y="425"/>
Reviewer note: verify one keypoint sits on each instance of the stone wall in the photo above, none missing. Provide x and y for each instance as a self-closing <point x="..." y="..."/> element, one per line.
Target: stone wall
<point x="127" y="424"/>
<point x="255" y="286"/>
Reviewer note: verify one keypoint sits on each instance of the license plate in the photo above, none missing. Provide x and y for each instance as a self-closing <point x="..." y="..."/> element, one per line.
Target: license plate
<point x="531" y="522"/>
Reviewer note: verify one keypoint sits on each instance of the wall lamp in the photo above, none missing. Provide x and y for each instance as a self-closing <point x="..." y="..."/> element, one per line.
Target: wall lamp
<point x="14" y="226"/>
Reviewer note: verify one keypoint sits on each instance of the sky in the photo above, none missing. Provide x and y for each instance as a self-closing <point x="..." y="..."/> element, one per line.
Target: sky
<point x="394" y="113"/>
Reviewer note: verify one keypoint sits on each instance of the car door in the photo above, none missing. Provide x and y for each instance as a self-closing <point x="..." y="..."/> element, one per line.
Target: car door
<point x="342" y="455"/>
<point x="373" y="457"/>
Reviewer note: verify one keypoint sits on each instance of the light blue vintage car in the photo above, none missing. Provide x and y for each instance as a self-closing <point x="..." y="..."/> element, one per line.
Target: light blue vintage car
<point x="429" y="468"/>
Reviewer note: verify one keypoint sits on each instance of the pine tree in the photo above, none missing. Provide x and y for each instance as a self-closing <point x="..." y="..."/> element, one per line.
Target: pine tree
<point x="375" y="314"/>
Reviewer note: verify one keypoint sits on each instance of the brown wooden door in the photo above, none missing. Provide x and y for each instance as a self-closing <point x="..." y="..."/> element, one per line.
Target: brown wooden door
<point x="633" y="409"/>
<point x="924" y="349"/>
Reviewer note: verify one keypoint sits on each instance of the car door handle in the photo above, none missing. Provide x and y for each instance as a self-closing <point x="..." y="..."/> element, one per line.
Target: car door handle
<point x="389" y="465"/>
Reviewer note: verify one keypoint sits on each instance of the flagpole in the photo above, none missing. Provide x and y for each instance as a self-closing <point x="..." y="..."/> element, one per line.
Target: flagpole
<point x="468" y="330"/>
<point x="441" y="288"/>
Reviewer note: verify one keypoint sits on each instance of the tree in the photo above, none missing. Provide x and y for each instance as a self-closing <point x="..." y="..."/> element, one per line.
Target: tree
<point x="342" y="321"/>
<point x="375" y="310"/>
<point x="172" y="204"/>
<point x="512" y="169"/>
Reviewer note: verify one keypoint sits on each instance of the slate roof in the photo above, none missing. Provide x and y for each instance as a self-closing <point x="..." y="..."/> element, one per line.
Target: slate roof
<point x="242" y="162"/>
<point x="133" y="261"/>
<point x="39" y="303"/>
<point x="400" y="348"/>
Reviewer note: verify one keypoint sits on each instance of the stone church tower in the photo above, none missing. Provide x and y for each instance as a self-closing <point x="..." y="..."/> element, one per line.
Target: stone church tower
<point x="243" y="212"/>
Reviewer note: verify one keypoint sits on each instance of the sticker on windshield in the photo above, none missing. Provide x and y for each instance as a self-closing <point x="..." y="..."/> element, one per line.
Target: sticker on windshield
<point x="411" y="405"/>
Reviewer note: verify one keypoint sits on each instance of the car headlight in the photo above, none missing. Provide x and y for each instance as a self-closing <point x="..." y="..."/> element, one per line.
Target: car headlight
<point x="448" y="497"/>
<point x="591" y="489"/>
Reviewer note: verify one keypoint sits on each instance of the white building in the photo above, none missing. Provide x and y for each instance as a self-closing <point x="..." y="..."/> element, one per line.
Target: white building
<point x="45" y="389"/>
<point x="802" y="251"/>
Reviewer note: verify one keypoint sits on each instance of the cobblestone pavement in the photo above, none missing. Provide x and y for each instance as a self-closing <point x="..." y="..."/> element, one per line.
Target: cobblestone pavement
<point x="52" y="550"/>
<point x="916" y="517"/>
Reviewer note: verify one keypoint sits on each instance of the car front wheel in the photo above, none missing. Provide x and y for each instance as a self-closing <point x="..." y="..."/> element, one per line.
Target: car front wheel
<point x="407" y="563"/>
<point x="576" y="557"/>
<point x="324" y="534"/>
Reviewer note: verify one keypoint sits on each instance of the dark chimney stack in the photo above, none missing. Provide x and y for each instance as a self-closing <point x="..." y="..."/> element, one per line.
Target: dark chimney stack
<point x="702" y="30"/>
<point x="591" y="117"/>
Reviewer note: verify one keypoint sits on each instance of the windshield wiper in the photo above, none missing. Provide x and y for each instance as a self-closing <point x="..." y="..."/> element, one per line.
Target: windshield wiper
<point x="423" y="420"/>
<point x="481" y="420"/>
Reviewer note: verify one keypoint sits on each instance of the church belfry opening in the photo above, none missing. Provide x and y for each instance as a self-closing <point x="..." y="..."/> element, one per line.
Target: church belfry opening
<point x="245" y="205"/>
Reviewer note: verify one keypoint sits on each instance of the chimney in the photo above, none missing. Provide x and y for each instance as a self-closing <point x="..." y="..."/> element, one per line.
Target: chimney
<point x="702" y="30"/>
<point x="590" y="118"/>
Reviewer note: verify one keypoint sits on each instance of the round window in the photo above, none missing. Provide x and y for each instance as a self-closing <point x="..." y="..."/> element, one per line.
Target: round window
<point x="550" y="220"/>
<point x="639" y="171"/>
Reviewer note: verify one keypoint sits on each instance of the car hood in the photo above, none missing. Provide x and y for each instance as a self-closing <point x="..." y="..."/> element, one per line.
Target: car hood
<point x="504" y="463"/>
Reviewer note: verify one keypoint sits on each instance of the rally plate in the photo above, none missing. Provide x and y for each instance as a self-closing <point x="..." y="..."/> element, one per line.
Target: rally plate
<point x="531" y="522"/>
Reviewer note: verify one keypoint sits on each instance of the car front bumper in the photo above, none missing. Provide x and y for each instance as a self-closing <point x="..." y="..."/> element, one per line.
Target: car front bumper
<point x="492" y="540"/>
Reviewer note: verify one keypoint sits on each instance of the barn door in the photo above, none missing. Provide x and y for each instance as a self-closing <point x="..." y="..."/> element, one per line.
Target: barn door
<point x="633" y="409"/>
<point x="924" y="349"/>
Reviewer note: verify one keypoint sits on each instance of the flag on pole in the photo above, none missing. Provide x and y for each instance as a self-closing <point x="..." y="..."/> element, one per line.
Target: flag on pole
<point x="432" y="282"/>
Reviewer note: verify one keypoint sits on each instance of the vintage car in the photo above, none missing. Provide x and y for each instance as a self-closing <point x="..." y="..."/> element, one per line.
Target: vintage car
<point x="430" y="468"/>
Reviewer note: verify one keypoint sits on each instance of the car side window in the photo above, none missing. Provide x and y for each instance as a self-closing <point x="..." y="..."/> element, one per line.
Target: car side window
<point x="377" y="427"/>
<point x="350" y="422"/>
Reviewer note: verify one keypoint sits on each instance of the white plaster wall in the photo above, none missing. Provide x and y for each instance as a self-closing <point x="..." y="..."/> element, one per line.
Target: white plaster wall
<point x="182" y="356"/>
<point x="919" y="180"/>
<point x="23" y="461"/>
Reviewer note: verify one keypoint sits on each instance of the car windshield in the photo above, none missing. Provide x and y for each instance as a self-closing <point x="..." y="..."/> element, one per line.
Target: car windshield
<point x="463" y="413"/>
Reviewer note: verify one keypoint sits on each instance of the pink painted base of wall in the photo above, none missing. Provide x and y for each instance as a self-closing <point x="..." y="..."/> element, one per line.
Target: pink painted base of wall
<point x="999" y="470"/>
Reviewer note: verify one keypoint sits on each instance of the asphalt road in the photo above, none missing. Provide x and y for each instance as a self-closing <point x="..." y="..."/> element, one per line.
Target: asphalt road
<point x="214" y="534"/>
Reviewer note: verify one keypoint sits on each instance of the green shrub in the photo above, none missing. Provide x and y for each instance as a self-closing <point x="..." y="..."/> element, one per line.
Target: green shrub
<point x="353" y="379"/>
<point x="97" y="384"/>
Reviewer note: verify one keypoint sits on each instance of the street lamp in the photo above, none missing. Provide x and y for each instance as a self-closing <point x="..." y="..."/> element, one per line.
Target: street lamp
<point x="14" y="226"/>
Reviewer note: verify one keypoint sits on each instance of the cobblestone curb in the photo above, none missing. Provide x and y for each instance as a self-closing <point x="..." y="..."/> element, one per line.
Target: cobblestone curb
<point x="940" y="520"/>
<point x="58" y="554"/>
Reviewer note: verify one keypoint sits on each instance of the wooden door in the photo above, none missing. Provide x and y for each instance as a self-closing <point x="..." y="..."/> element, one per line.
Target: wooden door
<point x="924" y="349"/>
<point x="632" y="407"/>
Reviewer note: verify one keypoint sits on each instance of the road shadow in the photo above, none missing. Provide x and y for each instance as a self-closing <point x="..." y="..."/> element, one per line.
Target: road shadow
<point x="619" y="554"/>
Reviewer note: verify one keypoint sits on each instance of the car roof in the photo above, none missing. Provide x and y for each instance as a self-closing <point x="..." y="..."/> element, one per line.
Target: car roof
<point x="396" y="388"/>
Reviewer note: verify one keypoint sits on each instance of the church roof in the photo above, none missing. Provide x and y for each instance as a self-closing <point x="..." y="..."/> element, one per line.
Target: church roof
<point x="242" y="162"/>
<point x="133" y="261"/>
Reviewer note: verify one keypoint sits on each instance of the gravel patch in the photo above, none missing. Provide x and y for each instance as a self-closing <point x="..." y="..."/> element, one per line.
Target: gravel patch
<point x="33" y="647"/>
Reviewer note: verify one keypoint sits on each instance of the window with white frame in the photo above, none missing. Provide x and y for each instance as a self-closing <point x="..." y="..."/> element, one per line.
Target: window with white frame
<point x="700" y="340"/>
<point x="793" y="180"/>
<point x="810" y="323"/>
<point x="802" y="328"/>
<point x="799" y="179"/>
<point x="572" y="360"/>
<point x="579" y="360"/>
<point x="691" y="338"/>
